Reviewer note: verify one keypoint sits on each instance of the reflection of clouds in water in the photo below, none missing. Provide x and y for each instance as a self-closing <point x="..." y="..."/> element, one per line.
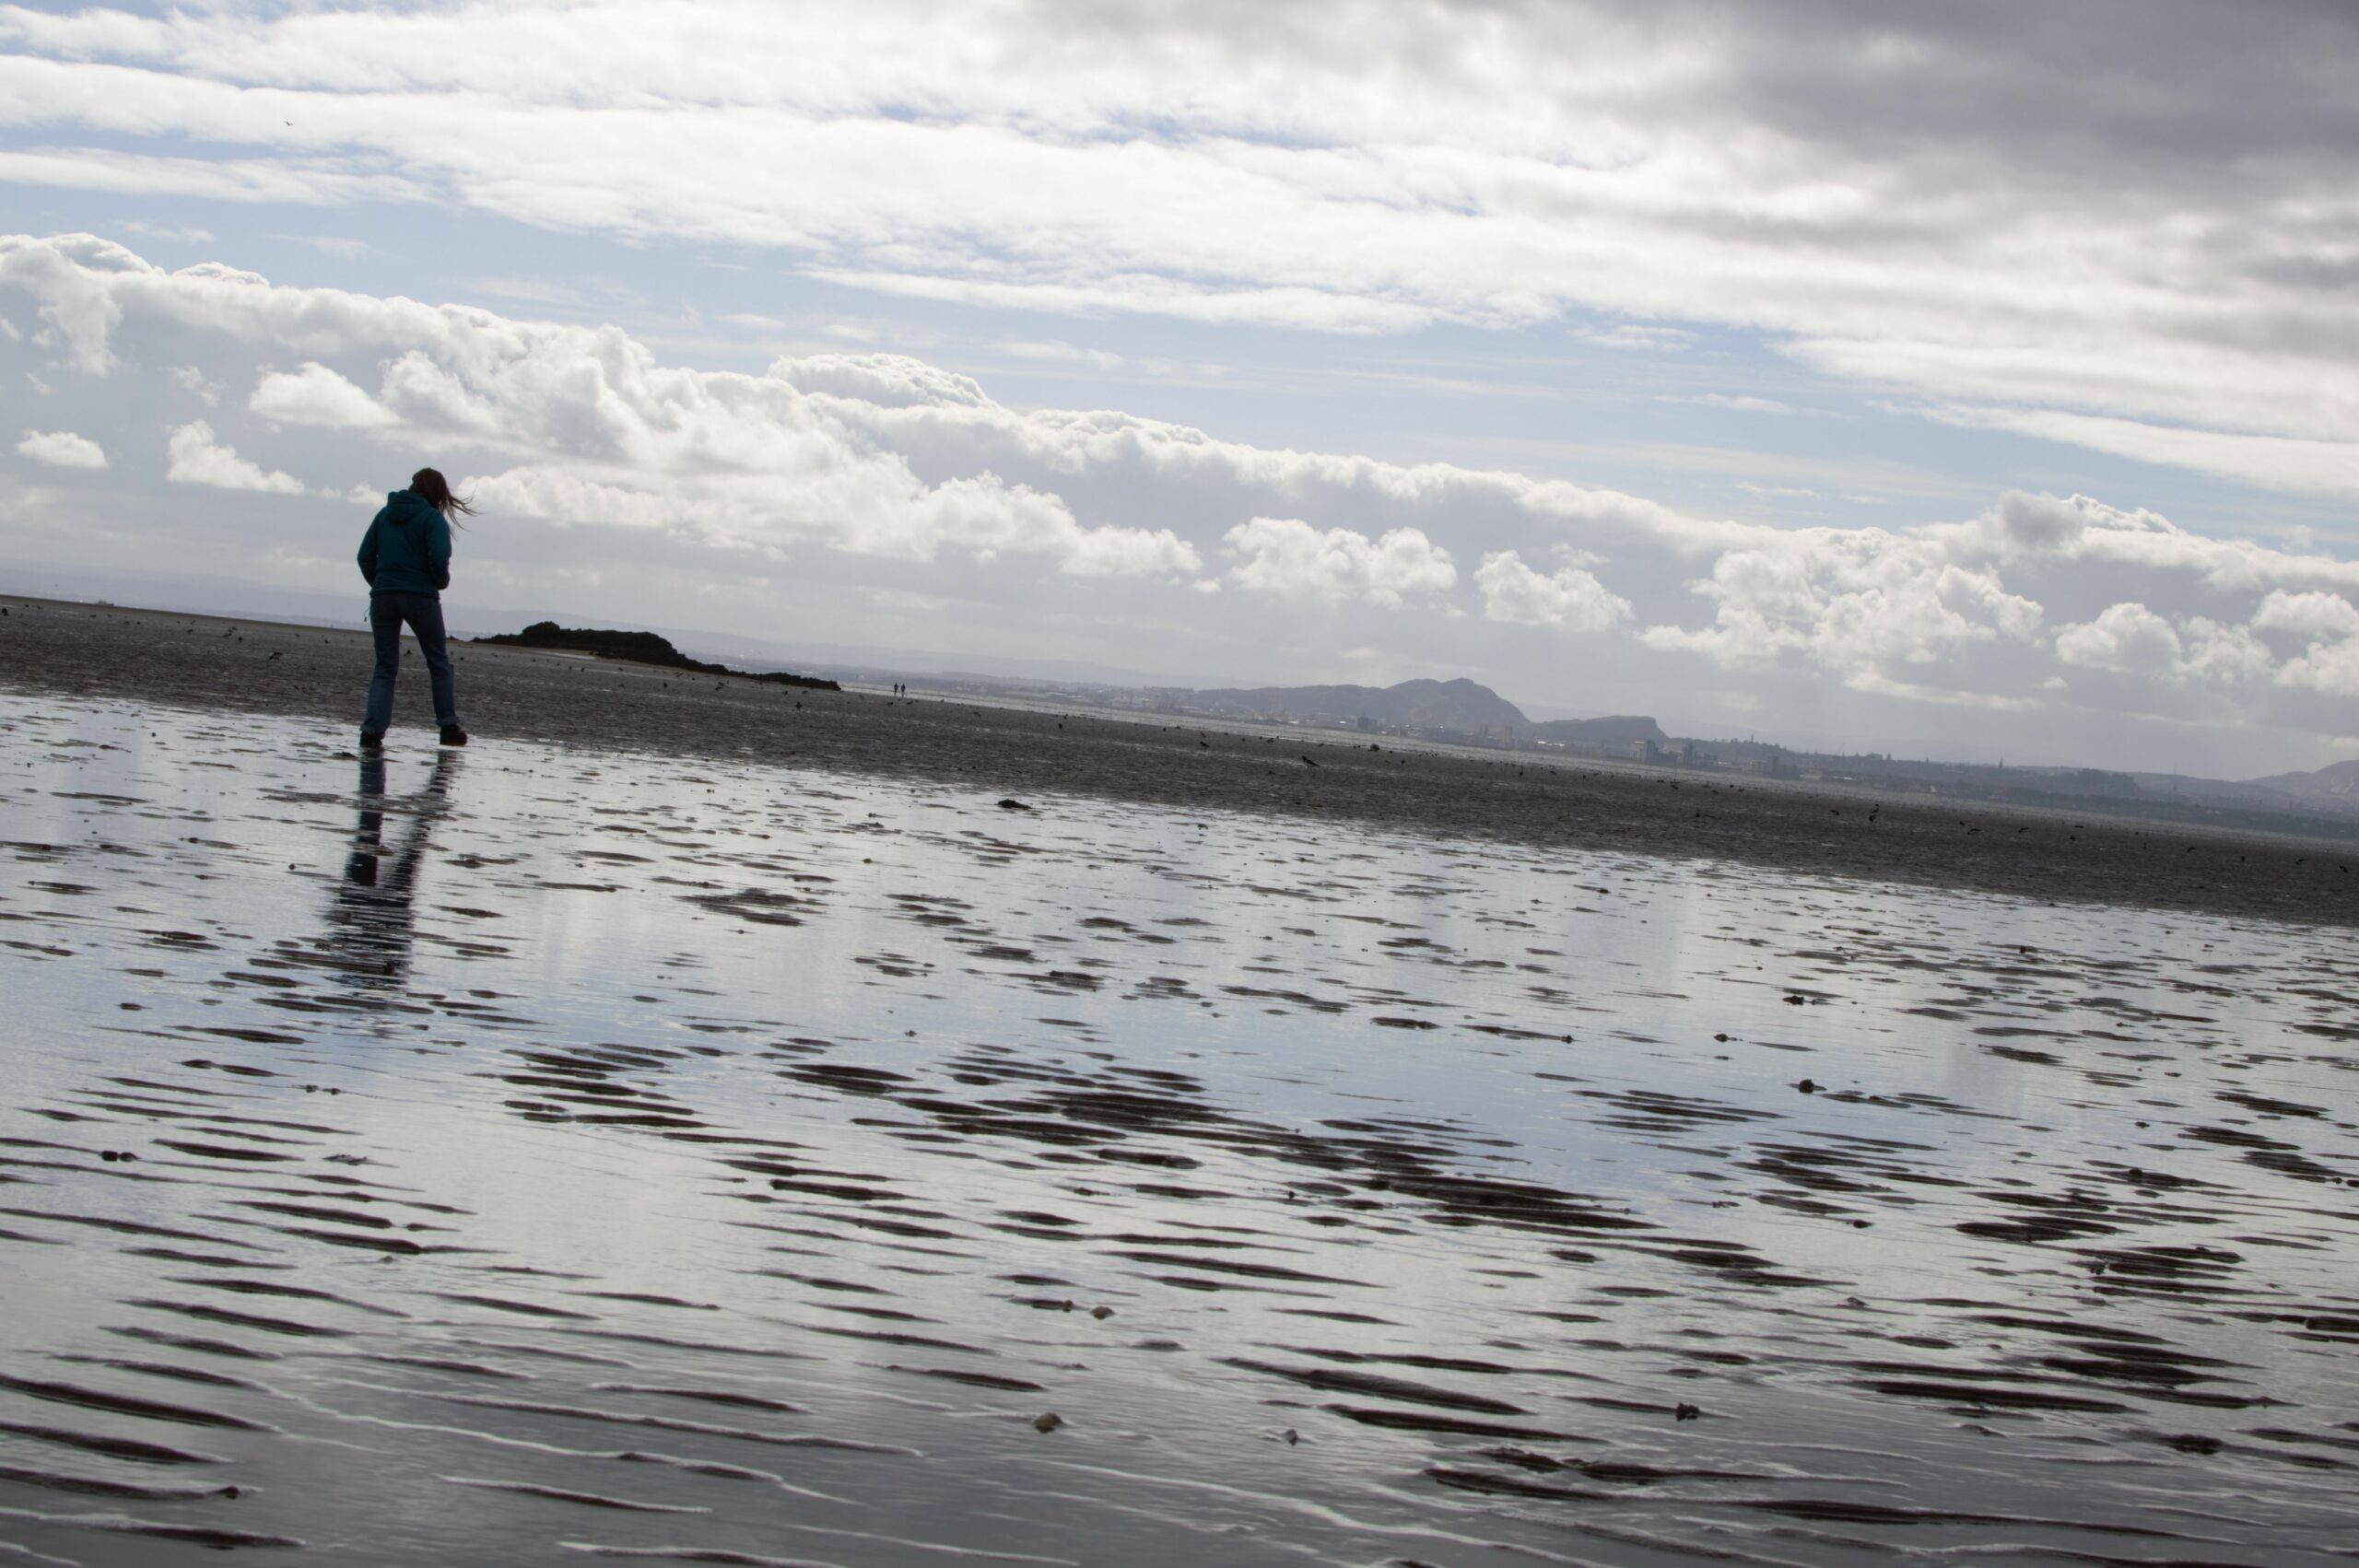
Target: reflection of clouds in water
<point x="857" y="1098"/>
<point x="372" y="922"/>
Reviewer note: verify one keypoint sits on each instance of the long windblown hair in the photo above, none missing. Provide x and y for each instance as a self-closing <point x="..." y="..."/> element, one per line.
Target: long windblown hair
<point x="429" y="483"/>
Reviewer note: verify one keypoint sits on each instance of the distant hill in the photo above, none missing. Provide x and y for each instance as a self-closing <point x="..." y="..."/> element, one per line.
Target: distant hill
<point x="2338" y="779"/>
<point x="638" y="648"/>
<point x="1459" y="705"/>
<point x="2180" y="787"/>
<point x="1614" y="730"/>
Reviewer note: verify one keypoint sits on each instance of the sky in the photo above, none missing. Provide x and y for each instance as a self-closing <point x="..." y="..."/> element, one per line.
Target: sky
<point x="1968" y="381"/>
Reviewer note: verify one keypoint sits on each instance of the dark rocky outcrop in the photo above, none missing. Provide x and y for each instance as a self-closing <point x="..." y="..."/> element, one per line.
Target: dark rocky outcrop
<point x="640" y="648"/>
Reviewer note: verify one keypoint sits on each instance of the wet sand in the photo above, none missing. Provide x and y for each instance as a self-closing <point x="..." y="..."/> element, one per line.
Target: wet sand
<point x="510" y="694"/>
<point x="545" y="1151"/>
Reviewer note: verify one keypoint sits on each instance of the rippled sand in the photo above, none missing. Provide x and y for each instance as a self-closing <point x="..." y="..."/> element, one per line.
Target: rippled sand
<point x="533" y="1153"/>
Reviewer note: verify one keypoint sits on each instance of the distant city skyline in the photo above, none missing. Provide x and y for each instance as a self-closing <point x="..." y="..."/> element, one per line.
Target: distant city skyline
<point x="1967" y="382"/>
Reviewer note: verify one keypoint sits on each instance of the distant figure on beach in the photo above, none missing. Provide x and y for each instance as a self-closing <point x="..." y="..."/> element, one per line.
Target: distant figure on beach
<point x="405" y="555"/>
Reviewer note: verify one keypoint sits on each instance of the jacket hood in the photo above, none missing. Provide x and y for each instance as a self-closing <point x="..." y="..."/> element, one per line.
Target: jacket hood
<point x="407" y="548"/>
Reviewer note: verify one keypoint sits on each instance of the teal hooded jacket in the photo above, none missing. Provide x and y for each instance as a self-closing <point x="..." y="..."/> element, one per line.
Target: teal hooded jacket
<point x="407" y="548"/>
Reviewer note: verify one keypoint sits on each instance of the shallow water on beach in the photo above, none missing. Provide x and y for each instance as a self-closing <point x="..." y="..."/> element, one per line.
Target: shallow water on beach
<point x="518" y="1155"/>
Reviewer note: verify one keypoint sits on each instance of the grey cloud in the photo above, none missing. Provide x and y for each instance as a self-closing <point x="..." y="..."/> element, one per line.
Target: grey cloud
<point x="2030" y="204"/>
<point x="2182" y="94"/>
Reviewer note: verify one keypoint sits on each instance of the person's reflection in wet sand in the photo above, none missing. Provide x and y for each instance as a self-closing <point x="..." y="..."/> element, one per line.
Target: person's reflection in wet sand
<point x="371" y="924"/>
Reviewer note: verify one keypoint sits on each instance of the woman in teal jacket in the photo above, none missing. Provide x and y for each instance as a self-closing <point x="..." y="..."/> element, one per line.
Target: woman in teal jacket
<point x="405" y="555"/>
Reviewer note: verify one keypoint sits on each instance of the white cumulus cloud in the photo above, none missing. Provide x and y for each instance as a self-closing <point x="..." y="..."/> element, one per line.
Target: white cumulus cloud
<point x="2130" y="638"/>
<point x="2316" y="615"/>
<point x="596" y="429"/>
<point x="193" y="457"/>
<point x="61" y="449"/>
<point x="1859" y="604"/>
<point x="2126" y="637"/>
<point x="2328" y="625"/>
<point x="1290" y="559"/>
<point x="1571" y="597"/>
<point x="317" y="396"/>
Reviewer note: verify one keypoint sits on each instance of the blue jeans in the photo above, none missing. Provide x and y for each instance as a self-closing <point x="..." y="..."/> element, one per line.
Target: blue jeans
<point x="424" y="614"/>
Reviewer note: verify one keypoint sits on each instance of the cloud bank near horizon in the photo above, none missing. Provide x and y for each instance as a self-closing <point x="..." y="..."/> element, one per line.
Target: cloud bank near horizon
<point x="815" y="476"/>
